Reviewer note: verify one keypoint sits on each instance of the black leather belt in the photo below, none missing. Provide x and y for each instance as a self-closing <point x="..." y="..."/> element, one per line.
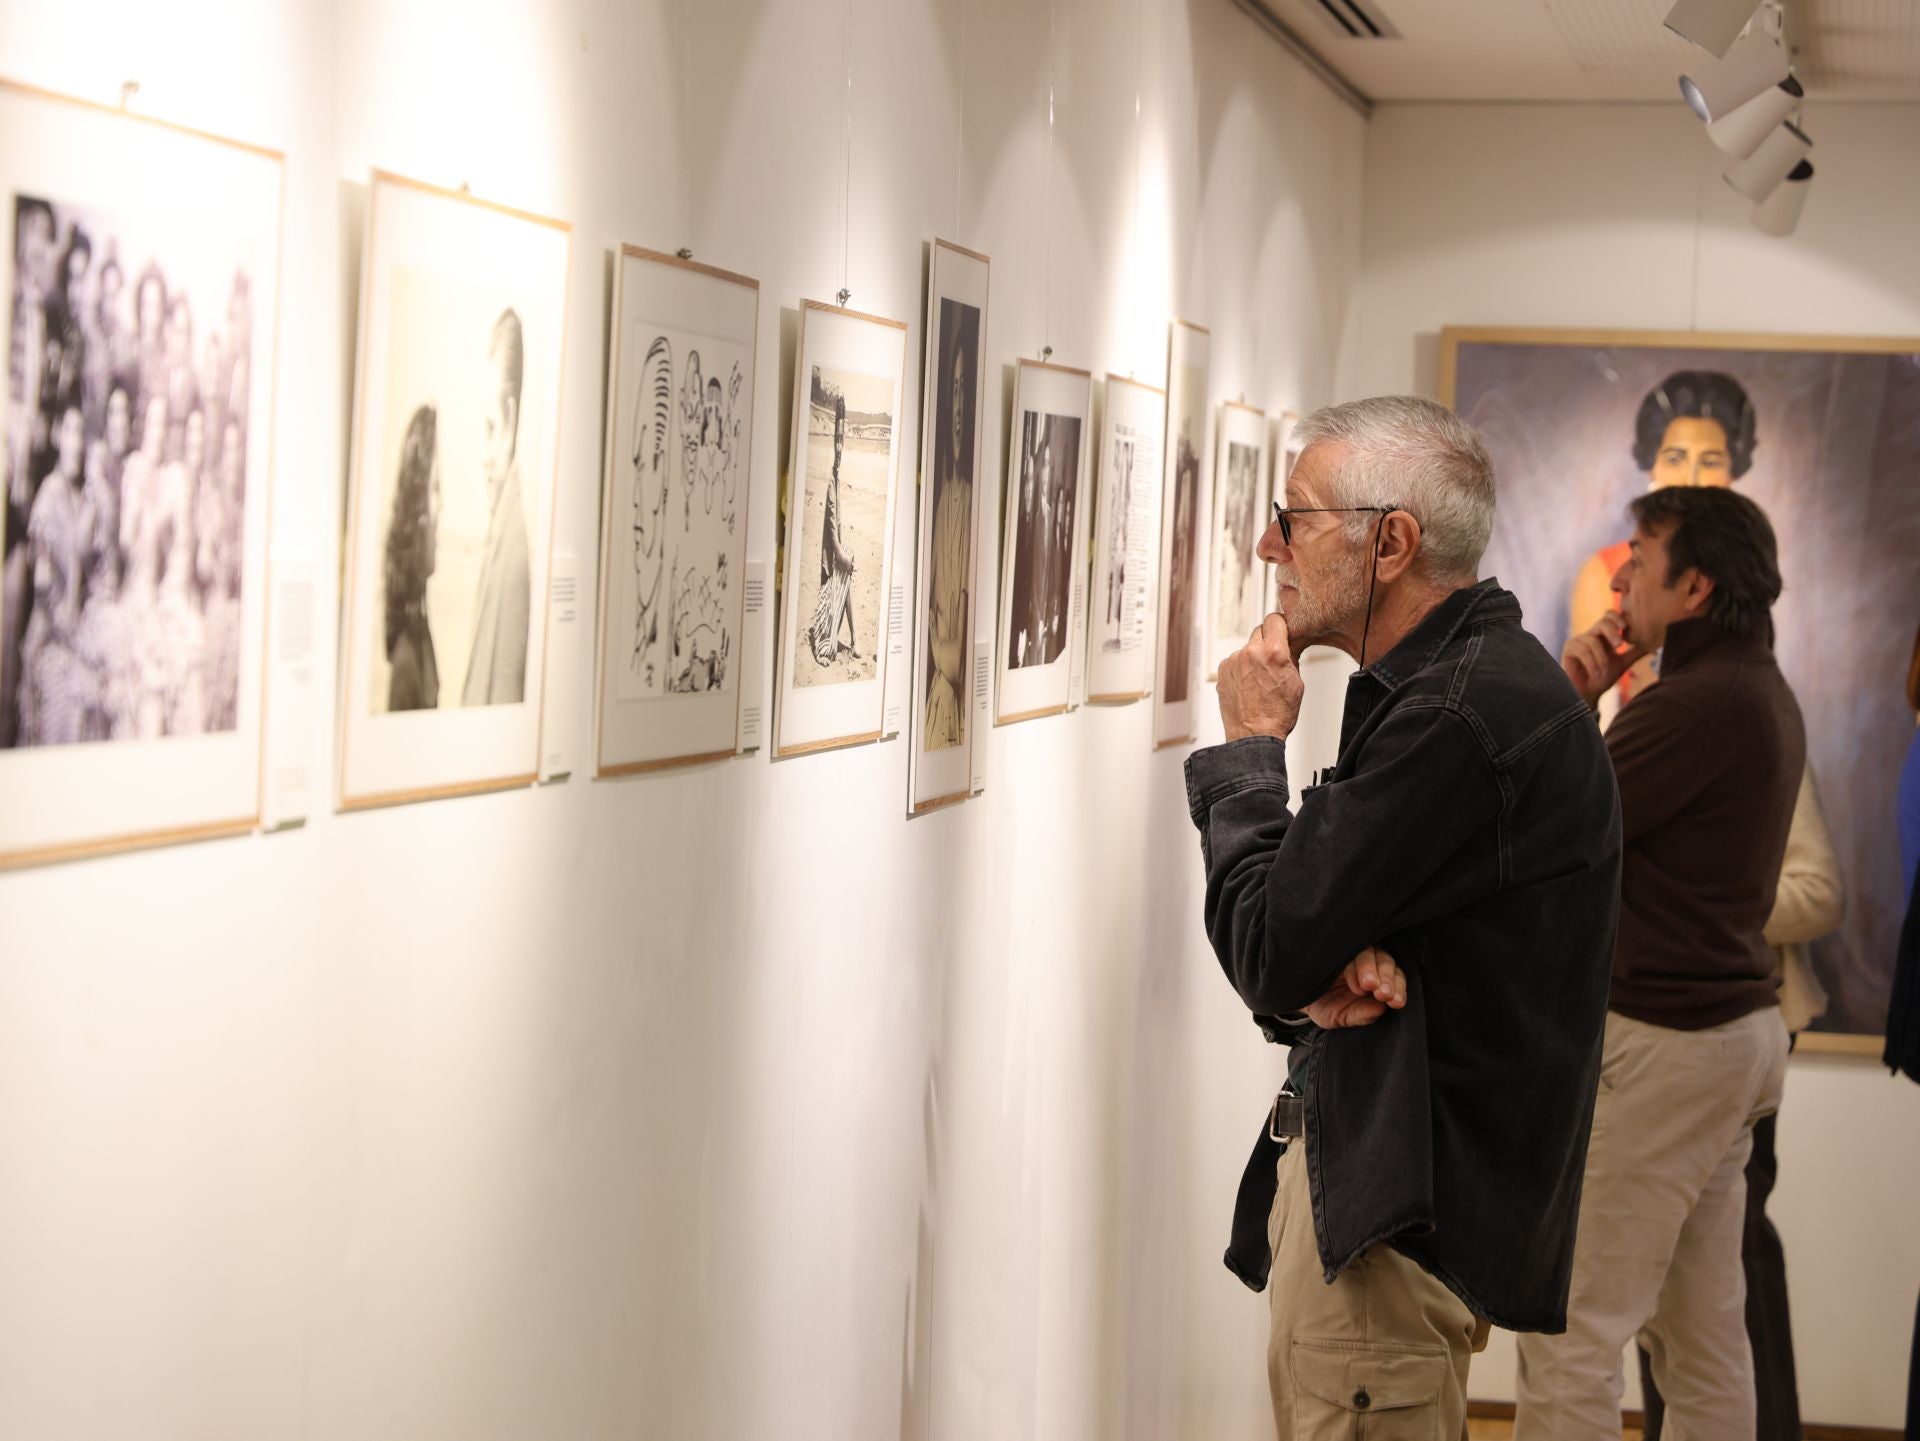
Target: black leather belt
<point x="1288" y="1119"/>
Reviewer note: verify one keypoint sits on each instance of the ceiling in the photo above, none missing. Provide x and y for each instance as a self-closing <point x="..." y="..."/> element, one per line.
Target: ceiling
<point x="1595" y="49"/>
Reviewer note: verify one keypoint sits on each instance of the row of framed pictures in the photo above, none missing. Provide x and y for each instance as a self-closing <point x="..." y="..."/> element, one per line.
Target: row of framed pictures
<point x="133" y="654"/>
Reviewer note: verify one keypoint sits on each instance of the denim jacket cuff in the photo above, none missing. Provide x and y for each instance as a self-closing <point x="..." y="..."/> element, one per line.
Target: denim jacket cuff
<point x="1252" y="763"/>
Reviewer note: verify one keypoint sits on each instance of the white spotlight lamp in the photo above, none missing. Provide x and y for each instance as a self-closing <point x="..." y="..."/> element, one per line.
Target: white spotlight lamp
<point x="1779" y="213"/>
<point x="1713" y="25"/>
<point x="1761" y="173"/>
<point x="1757" y="64"/>
<point x="1740" y="132"/>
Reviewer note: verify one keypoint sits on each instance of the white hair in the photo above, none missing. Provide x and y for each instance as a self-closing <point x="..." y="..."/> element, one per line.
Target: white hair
<point x="1417" y="456"/>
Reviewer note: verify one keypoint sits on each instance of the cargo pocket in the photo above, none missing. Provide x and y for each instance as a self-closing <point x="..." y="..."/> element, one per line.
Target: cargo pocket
<point x="1347" y="1391"/>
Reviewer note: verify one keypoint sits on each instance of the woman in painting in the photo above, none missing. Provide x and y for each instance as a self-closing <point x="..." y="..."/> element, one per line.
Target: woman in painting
<point x="836" y="563"/>
<point x="1694" y="428"/>
<point x="411" y="553"/>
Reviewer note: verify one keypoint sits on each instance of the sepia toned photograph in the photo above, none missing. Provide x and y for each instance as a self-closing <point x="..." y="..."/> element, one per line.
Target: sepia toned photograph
<point x="1237" y="595"/>
<point x="843" y="527"/>
<point x="455" y="577"/>
<point x="1825" y="437"/>
<point x="950" y="539"/>
<point x="1043" y="519"/>
<point x="128" y="402"/>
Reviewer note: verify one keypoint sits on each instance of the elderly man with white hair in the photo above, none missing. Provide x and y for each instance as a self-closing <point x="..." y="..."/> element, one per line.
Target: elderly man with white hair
<point x="1429" y="929"/>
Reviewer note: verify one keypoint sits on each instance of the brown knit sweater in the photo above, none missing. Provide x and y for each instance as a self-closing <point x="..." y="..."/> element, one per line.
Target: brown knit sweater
<point x="1709" y="764"/>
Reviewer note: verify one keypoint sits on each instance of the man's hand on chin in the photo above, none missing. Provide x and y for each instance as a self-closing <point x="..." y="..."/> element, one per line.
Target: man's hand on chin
<point x="1260" y="686"/>
<point x="1370" y="986"/>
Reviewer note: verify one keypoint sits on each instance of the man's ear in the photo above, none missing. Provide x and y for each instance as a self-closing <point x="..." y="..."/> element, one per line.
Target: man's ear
<point x="1396" y="543"/>
<point x="1696" y="590"/>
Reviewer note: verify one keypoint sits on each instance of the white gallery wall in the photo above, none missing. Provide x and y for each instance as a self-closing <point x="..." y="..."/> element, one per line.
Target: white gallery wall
<point x="1616" y="217"/>
<point x="725" y="1103"/>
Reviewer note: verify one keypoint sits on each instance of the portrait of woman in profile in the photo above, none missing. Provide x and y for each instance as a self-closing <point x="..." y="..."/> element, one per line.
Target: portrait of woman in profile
<point x="1694" y="428"/>
<point x="415" y="680"/>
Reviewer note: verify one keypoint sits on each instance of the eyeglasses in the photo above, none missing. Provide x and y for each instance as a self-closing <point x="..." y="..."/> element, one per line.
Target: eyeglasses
<point x="1283" y="515"/>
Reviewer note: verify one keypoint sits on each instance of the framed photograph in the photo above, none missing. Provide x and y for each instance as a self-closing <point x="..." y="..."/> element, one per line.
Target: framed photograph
<point x="838" y="549"/>
<point x="1178" y="623"/>
<point x="1042" y="570"/>
<point x="940" y="763"/>
<point x="1824" y="434"/>
<point x="139" y="451"/>
<point x="673" y="517"/>
<point x="455" y="433"/>
<point x="1125" y="544"/>
<point x="1242" y="496"/>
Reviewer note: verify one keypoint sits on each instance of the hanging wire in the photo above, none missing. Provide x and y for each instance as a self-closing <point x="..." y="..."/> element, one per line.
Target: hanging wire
<point x="960" y="117"/>
<point x="846" y="188"/>
<point x="1046" y="197"/>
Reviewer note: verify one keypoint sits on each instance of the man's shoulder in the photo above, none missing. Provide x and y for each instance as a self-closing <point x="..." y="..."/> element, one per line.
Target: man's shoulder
<point x="1499" y="678"/>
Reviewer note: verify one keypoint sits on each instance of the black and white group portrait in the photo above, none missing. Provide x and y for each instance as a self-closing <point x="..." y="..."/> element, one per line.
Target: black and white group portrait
<point x="126" y="481"/>
<point x="843" y="527"/>
<point x="949" y="619"/>
<point x="1114" y="625"/>
<point x="1043" y="519"/>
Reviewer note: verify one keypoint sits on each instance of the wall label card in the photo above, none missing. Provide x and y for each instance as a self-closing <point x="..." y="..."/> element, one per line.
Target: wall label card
<point x="1126" y="543"/>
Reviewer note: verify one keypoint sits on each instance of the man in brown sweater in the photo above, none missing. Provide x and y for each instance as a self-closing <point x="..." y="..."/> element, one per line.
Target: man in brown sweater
<point x="1708" y="763"/>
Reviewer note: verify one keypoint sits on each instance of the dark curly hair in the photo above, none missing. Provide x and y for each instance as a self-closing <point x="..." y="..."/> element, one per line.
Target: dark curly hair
<point x="1727" y="538"/>
<point x="410" y="531"/>
<point x="1706" y="394"/>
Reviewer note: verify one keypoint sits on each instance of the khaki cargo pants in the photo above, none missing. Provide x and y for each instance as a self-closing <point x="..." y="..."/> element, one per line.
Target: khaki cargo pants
<point x="1380" y="1354"/>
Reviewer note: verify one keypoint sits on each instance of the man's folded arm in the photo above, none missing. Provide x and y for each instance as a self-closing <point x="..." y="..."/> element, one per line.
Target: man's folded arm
<point x="1291" y="898"/>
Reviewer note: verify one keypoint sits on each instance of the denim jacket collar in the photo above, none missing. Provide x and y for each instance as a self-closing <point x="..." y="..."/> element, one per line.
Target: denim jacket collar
<point x="1475" y="604"/>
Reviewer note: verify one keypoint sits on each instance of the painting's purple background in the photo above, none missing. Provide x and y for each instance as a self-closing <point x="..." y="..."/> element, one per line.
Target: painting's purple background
<point x="1837" y="469"/>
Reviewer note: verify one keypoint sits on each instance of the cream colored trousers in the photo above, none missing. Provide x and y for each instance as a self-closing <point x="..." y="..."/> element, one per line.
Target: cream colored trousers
<point x="1382" y="1353"/>
<point x="1658" y="1252"/>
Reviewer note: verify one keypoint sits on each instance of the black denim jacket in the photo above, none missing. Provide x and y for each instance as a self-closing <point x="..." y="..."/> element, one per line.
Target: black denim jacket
<point x="1472" y="829"/>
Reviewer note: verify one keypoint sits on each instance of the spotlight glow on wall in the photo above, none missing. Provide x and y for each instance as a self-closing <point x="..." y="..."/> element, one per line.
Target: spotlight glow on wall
<point x="1713" y="25"/>
<point x="1757" y="64"/>
<point x="1761" y="173"/>
<point x="1740" y="132"/>
<point x="1779" y="213"/>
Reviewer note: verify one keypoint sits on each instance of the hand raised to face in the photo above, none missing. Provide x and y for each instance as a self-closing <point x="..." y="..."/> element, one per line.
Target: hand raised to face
<point x="1260" y="686"/>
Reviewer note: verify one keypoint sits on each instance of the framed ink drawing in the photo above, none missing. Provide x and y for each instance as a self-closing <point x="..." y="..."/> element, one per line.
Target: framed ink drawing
<point x="1042" y="567"/>
<point x="1823" y="433"/>
<point x="455" y="432"/>
<point x="673" y="519"/>
<point x="1240" y="513"/>
<point x="138" y="456"/>
<point x="1178" y="625"/>
<point x="940" y="763"/>
<point x="1120" y="643"/>
<point x="832" y="635"/>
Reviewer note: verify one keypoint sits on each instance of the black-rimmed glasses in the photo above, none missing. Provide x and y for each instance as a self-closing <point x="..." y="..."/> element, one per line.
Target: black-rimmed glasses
<point x="1283" y="515"/>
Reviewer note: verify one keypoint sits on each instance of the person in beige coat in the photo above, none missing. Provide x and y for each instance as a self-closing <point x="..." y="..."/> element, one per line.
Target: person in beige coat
<point x="1807" y="907"/>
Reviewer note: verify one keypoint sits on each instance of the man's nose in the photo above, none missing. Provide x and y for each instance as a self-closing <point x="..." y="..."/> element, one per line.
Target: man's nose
<point x="1271" y="548"/>
<point x="1619" y="581"/>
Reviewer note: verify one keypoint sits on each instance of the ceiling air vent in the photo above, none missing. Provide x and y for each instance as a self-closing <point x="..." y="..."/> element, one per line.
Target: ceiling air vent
<point x="1356" y="19"/>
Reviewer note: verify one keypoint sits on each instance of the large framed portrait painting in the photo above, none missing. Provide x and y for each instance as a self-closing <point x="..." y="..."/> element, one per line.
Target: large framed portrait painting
<point x="1824" y="434"/>
<point x="138" y="444"/>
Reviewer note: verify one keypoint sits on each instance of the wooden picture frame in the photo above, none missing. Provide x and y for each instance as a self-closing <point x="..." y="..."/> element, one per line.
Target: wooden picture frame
<point x="463" y="318"/>
<point x="847" y="386"/>
<point x="1816" y="429"/>
<point x="677" y="477"/>
<point x="134" y="621"/>
<point x="942" y="732"/>
<point x="1123" y="594"/>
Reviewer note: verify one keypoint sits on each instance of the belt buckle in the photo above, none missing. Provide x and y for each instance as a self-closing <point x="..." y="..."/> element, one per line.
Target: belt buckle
<point x="1287" y="1121"/>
